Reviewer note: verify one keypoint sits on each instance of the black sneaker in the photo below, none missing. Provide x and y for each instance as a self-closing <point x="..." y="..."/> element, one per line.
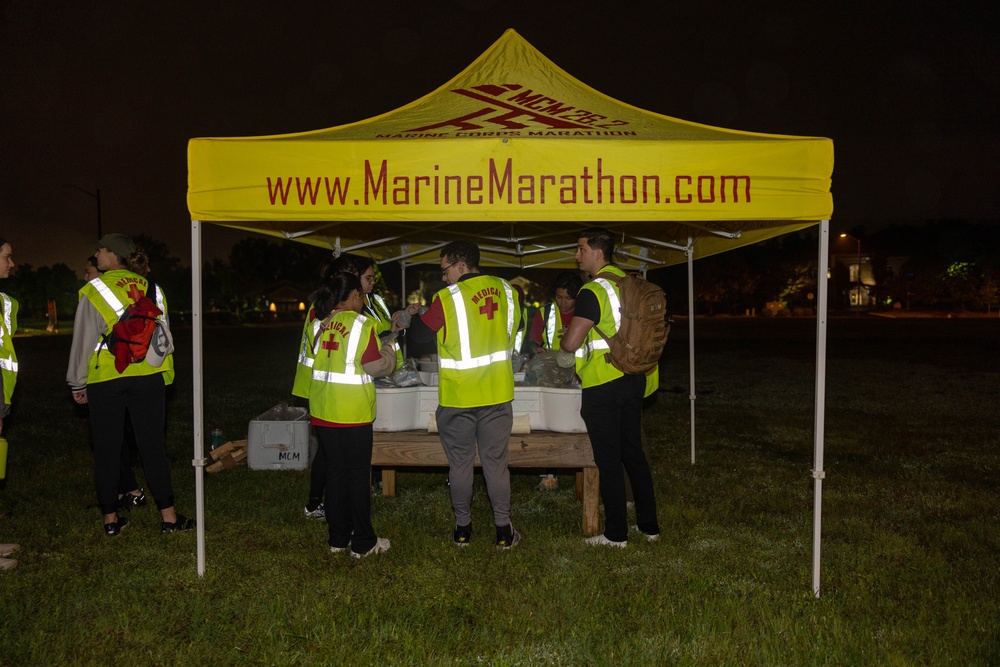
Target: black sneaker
<point x="182" y="523"/>
<point x="462" y="535"/>
<point x="507" y="537"/>
<point x="129" y="500"/>
<point x="115" y="527"/>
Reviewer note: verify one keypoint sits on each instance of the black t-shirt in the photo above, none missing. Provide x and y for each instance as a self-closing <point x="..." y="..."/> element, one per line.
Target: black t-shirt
<point x="588" y="306"/>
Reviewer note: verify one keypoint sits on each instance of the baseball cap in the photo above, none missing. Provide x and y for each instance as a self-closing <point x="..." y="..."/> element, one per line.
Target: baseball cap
<point x="119" y="244"/>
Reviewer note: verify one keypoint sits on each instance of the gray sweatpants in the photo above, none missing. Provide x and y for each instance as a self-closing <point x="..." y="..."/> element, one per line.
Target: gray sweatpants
<point x="460" y="429"/>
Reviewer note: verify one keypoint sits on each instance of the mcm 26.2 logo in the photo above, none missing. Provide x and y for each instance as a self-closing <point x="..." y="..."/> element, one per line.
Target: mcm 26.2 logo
<point x="513" y="107"/>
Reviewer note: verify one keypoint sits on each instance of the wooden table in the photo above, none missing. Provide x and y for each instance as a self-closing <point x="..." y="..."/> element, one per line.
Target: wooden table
<point x="542" y="449"/>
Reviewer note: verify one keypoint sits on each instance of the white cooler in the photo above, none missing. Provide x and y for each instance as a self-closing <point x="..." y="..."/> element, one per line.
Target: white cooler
<point x="411" y="408"/>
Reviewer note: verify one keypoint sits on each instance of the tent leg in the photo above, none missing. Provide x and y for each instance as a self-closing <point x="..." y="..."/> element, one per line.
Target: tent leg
<point x="820" y="411"/>
<point x="402" y="299"/>
<point x="199" y="407"/>
<point x="692" y="395"/>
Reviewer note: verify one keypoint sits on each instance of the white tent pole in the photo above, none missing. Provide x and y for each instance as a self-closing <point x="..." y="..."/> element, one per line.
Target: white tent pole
<point x="692" y="395"/>
<point x="199" y="407"/>
<point x="820" y="412"/>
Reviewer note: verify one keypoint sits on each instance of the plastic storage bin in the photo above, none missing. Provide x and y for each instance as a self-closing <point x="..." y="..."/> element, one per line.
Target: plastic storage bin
<point x="279" y="440"/>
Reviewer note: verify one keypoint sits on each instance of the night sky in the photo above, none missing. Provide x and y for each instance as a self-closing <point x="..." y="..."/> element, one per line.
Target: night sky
<point x="105" y="95"/>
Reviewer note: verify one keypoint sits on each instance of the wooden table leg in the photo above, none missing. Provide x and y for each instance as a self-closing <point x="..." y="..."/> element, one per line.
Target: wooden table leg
<point x="591" y="501"/>
<point x="579" y="486"/>
<point x="388" y="482"/>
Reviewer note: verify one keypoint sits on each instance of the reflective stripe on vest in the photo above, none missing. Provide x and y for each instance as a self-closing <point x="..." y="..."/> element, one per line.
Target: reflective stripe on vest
<point x="350" y="375"/>
<point x="465" y="345"/>
<point x="7" y="364"/>
<point x="550" y="327"/>
<point x="305" y="358"/>
<point x="598" y="342"/>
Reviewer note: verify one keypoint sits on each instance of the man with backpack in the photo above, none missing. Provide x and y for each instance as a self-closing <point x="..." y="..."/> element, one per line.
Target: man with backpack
<point x="611" y="403"/>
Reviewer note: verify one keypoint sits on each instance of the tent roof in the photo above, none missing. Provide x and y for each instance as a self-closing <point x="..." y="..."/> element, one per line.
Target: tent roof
<point x="516" y="154"/>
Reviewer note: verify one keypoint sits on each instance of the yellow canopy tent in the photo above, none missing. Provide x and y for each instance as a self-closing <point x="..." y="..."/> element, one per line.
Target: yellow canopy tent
<point x="518" y="155"/>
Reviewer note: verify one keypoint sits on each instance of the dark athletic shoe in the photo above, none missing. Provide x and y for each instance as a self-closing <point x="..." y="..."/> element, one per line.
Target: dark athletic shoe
<point x="182" y="523"/>
<point x="462" y="535"/>
<point x="115" y="527"/>
<point x="507" y="537"/>
<point x="128" y="501"/>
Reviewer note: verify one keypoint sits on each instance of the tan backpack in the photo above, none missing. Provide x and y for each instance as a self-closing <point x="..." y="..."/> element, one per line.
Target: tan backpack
<point x="637" y="346"/>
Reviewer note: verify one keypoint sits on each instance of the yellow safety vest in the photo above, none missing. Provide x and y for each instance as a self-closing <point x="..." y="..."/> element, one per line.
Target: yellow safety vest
<point x="304" y="365"/>
<point x="379" y="310"/>
<point x="551" y="338"/>
<point x="340" y="391"/>
<point x="481" y="317"/>
<point x="8" y="358"/>
<point x="111" y="293"/>
<point x="591" y="363"/>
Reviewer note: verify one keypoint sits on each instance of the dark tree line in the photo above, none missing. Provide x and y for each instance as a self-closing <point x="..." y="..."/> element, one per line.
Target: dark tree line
<point x="946" y="264"/>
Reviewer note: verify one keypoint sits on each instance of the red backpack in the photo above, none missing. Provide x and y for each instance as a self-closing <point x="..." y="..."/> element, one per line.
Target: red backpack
<point x="130" y="336"/>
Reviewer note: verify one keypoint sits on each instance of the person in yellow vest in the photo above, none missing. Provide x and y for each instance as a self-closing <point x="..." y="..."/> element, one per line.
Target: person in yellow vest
<point x="344" y="263"/>
<point x="549" y="324"/>
<point x="346" y="355"/>
<point x="138" y="393"/>
<point x="8" y="367"/>
<point x="129" y="493"/>
<point x="476" y="318"/>
<point x="611" y="401"/>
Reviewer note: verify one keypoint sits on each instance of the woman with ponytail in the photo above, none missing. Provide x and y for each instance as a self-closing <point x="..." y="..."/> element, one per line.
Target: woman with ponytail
<point x="346" y="354"/>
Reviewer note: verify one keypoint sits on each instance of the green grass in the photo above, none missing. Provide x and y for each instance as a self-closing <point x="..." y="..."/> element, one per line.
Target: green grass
<point x="910" y="522"/>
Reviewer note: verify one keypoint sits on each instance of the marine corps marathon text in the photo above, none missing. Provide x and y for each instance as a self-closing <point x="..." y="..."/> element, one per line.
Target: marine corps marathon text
<point x="503" y="184"/>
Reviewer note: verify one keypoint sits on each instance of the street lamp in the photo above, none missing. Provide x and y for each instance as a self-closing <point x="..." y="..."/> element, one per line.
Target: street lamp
<point x="845" y="235"/>
<point x="97" y="198"/>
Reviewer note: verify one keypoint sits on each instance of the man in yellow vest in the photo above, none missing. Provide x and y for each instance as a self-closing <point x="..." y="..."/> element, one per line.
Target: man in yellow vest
<point x="476" y="318"/>
<point x="611" y="402"/>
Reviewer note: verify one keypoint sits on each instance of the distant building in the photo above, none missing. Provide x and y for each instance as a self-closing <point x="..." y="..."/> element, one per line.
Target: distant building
<point x="286" y="297"/>
<point x="859" y="283"/>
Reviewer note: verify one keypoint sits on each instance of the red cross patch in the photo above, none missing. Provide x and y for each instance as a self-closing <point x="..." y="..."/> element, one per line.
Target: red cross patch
<point x="330" y="345"/>
<point x="488" y="308"/>
<point x="134" y="293"/>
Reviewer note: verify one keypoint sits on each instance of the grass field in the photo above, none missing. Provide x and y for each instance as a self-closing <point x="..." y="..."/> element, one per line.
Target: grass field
<point x="911" y="523"/>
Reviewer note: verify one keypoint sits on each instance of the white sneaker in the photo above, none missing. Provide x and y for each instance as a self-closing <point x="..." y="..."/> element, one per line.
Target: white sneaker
<point x="381" y="545"/>
<point x="649" y="538"/>
<point x="338" y="550"/>
<point x="601" y="541"/>
<point x="318" y="514"/>
<point x="8" y="549"/>
<point x="7" y="563"/>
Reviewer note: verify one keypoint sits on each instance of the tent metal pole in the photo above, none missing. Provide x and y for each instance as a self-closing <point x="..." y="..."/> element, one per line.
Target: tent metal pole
<point x="402" y="299"/>
<point x="693" y="394"/>
<point x="820" y="411"/>
<point x="199" y="404"/>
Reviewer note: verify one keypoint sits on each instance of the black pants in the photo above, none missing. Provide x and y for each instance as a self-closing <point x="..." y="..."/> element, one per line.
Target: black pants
<point x="613" y="414"/>
<point x="348" y="454"/>
<point x="143" y="401"/>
